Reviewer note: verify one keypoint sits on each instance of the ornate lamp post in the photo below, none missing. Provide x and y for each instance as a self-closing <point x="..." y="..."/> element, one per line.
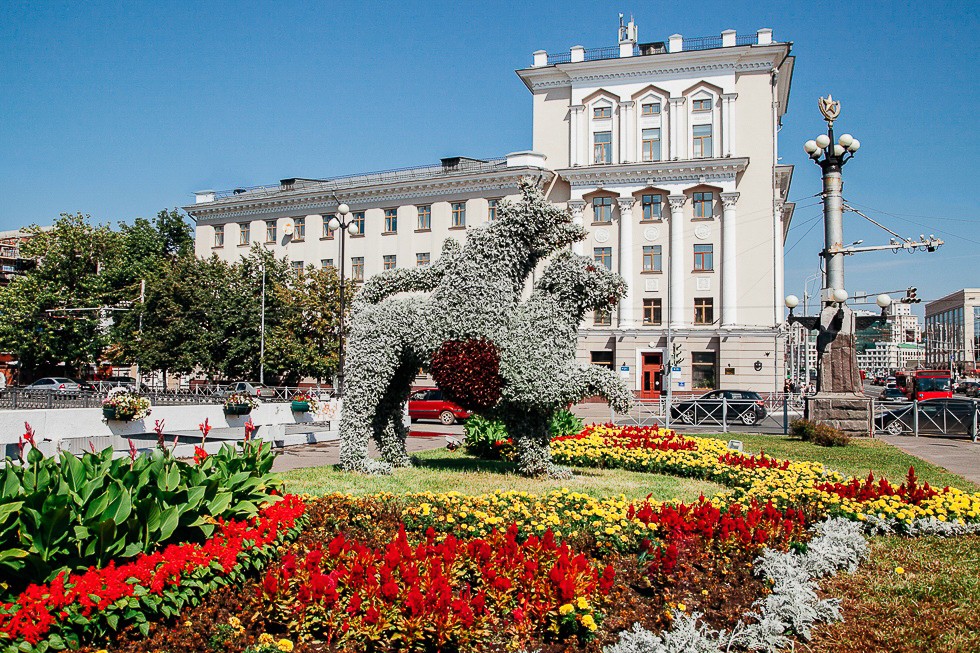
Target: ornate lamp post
<point x="345" y="224"/>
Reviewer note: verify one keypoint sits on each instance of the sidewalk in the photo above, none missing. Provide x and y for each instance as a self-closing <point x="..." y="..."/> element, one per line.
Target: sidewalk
<point x="957" y="454"/>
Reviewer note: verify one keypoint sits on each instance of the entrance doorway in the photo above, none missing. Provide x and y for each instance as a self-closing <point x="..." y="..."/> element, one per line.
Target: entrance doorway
<point x="651" y="375"/>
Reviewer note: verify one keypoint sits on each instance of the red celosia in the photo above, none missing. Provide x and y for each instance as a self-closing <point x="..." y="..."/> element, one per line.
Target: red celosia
<point x="40" y="607"/>
<point x="910" y="491"/>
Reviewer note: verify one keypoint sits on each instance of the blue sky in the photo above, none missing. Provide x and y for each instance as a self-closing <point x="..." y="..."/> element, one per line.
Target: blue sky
<point x="119" y="110"/>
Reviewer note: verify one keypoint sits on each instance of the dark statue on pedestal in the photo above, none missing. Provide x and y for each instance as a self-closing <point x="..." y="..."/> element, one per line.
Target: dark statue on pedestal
<point x="837" y="370"/>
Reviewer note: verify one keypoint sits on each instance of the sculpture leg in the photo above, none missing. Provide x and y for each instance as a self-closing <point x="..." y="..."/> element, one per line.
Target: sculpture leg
<point x="592" y="380"/>
<point x="390" y="432"/>
<point x="532" y="439"/>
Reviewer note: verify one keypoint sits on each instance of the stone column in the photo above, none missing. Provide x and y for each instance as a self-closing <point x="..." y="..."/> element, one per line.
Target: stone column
<point x="729" y="283"/>
<point x="627" y="137"/>
<point x="626" y="307"/>
<point x="575" y="135"/>
<point x="678" y="128"/>
<point x="727" y="123"/>
<point x="576" y="207"/>
<point x="777" y="254"/>
<point x="677" y="274"/>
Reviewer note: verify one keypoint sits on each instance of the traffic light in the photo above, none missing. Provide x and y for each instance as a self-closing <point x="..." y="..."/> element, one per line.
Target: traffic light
<point x="910" y="297"/>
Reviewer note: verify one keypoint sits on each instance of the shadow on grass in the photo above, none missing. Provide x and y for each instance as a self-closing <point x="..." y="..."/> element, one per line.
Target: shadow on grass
<point x="471" y="464"/>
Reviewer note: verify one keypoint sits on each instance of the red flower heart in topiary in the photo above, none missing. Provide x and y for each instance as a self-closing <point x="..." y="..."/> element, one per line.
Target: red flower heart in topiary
<point x="468" y="372"/>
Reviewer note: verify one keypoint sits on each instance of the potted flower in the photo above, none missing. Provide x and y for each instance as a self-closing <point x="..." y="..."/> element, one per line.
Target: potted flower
<point x="304" y="402"/>
<point x="239" y="403"/>
<point x="125" y="407"/>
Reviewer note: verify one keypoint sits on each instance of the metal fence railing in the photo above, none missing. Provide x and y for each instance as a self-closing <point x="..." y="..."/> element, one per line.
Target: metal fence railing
<point x="773" y="412"/>
<point x="24" y="399"/>
<point x="953" y="417"/>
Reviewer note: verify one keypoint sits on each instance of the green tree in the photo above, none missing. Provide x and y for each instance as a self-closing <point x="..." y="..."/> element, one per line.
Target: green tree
<point x="304" y="342"/>
<point x="58" y="312"/>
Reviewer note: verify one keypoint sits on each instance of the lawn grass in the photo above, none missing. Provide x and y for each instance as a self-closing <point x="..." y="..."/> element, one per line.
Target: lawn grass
<point x="856" y="459"/>
<point x="930" y="606"/>
<point x="440" y="470"/>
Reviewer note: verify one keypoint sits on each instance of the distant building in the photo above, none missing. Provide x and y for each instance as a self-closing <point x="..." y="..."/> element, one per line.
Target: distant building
<point x="665" y="152"/>
<point x="11" y="261"/>
<point x="952" y="331"/>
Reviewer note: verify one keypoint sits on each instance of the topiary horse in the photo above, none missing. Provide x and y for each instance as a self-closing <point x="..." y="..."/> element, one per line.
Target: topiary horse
<point x="456" y="332"/>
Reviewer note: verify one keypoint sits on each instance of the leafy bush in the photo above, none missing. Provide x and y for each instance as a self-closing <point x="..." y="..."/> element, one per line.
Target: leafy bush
<point x="802" y="428"/>
<point x="818" y="433"/>
<point x="69" y="513"/>
<point x="488" y="438"/>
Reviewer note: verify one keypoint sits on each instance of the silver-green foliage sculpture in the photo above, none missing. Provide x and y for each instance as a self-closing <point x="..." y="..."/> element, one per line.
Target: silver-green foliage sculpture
<point x="487" y="350"/>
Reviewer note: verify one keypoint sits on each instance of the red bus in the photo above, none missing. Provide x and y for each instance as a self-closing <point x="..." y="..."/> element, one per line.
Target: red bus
<point x="919" y="385"/>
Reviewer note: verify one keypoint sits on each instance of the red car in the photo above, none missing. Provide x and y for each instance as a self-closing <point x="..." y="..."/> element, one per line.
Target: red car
<point x="429" y="404"/>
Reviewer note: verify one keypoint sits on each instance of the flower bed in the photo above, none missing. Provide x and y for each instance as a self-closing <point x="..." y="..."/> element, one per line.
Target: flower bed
<point x="96" y="602"/>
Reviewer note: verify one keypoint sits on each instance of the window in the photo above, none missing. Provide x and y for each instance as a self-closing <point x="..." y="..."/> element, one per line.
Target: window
<point x="653" y="206"/>
<point x="704" y="310"/>
<point x="389" y="262"/>
<point x="357" y="268"/>
<point x="492" y="210"/>
<point x="602" y="358"/>
<point x="602" y="318"/>
<point x="703" y="258"/>
<point x="603" y="147"/>
<point x="425" y="217"/>
<point x="359" y="221"/>
<point x="297" y="267"/>
<point x="326" y="263"/>
<point x="651" y="144"/>
<point x="244" y="233"/>
<point x="391" y="221"/>
<point x="602" y="112"/>
<point x="603" y="256"/>
<point x="703" y="369"/>
<point x="702" y="104"/>
<point x="270" y="231"/>
<point x="704" y="204"/>
<point x="326" y="227"/>
<point x="422" y="259"/>
<point x="219" y="236"/>
<point x="459" y="214"/>
<point x="602" y="209"/>
<point x="702" y="142"/>
<point x="652" y="258"/>
<point x="299" y="229"/>
<point x="650" y="109"/>
<point x="652" y="312"/>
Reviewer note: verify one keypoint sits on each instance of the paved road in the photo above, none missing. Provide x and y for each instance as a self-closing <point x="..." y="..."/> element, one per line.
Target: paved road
<point x="958" y="454"/>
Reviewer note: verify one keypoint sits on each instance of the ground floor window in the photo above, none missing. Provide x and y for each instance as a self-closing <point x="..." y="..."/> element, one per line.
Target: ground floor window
<point x="602" y="358"/>
<point x="703" y="369"/>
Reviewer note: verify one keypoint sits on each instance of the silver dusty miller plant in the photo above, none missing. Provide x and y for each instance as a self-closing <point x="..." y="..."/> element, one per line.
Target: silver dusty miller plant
<point x="472" y="303"/>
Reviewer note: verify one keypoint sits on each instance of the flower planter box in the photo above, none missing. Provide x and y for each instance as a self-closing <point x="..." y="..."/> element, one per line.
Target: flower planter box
<point x="301" y="406"/>
<point x="238" y="409"/>
<point x="109" y="412"/>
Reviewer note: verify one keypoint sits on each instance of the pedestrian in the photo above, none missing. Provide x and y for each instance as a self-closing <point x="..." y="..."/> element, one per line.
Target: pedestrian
<point x="3" y="382"/>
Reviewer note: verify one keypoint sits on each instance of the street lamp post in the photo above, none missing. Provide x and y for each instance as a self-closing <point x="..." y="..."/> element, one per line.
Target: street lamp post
<point x="344" y="224"/>
<point x="262" y="330"/>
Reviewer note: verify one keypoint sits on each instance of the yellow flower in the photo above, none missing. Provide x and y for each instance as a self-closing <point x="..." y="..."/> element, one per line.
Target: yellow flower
<point x="565" y="609"/>
<point x="589" y="622"/>
<point x="102" y="650"/>
<point x="899" y="570"/>
<point x="681" y="607"/>
<point x="582" y="603"/>
<point x="188" y="624"/>
<point x="265" y="639"/>
<point x="234" y="622"/>
<point x="284" y="645"/>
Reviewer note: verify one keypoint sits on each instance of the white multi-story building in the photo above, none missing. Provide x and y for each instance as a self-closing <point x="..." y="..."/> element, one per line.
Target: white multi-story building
<point x="953" y="331"/>
<point x="665" y="152"/>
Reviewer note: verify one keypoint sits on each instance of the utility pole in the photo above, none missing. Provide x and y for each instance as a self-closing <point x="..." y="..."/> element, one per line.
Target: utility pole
<point x="262" y="330"/>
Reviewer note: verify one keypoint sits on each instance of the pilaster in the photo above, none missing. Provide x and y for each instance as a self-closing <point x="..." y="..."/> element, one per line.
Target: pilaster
<point x="575" y="135"/>
<point x="627" y="135"/>
<point x="577" y="207"/>
<point x="626" y="307"/>
<point x="677" y="274"/>
<point x="728" y="123"/>
<point x="729" y="277"/>
<point x="678" y="128"/>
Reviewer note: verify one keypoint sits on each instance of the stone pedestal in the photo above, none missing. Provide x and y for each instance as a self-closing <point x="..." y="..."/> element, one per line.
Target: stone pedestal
<point x="849" y="412"/>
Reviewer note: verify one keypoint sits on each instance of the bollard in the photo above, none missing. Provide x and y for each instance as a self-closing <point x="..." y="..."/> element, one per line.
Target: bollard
<point x="785" y="415"/>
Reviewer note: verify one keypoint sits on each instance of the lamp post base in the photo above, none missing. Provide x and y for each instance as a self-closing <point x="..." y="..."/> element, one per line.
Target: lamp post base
<point x="850" y="412"/>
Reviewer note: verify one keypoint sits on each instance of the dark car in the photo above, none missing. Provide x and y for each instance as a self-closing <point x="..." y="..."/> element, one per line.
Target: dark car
<point x="85" y="386"/>
<point x="429" y="404"/>
<point x="892" y="396"/>
<point x="936" y="416"/>
<point x="968" y="388"/>
<point x="745" y="406"/>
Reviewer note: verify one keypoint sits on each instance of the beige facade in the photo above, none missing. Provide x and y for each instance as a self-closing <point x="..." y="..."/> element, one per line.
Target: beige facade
<point x="666" y="154"/>
<point x="952" y="331"/>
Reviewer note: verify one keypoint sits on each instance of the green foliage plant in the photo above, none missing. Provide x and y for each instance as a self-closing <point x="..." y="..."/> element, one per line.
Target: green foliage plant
<point x="489" y="439"/>
<point x="818" y="433"/>
<point x="68" y="513"/>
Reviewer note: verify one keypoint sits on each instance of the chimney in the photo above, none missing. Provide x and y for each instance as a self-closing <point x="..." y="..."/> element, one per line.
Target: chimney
<point x="728" y="38"/>
<point x="676" y="43"/>
<point x="765" y="36"/>
<point x="540" y="58"/>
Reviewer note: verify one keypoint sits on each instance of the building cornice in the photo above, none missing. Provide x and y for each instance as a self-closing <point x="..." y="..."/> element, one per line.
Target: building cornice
<point x="695" y="171"/>
<point x="691" y="332"/>
<point x="741" y="59"/>
<point x="300" y="200"/>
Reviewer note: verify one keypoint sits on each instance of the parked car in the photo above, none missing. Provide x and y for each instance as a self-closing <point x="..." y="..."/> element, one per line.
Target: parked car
<point x="85" y="386"/>
<point x="429" y="404"/>
<point x="56" y="384"/>
<point x="745" y="406"/>
<point x="259" y="390"/>
<point x="879" y="380"/>
<point x="892" y="396"/>
<point x="974" y="389"/>
<point x="127" y="382"/>
<point x="936" y="416"/>
<point x="967" y="387"/>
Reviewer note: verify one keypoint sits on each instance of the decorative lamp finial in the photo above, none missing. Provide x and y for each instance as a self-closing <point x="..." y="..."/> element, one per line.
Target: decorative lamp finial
<point x="829" y="108"/>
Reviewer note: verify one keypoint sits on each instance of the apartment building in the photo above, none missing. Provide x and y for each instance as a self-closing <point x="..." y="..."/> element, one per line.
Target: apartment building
<point x="666" y="152"/>
<point x="952" y="332"/>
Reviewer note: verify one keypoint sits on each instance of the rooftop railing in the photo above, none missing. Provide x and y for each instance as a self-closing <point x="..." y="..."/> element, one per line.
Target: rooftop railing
<point x="644" y="49"/>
